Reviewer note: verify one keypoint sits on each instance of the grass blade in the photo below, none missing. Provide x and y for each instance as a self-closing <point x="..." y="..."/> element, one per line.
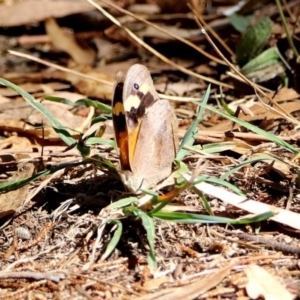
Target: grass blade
<point x="190" y="135"/>
<point x="84" y="101"/>
<point x="148" y="224"/>
<point x="188" y="218"/>
<point x="114" y="241"/>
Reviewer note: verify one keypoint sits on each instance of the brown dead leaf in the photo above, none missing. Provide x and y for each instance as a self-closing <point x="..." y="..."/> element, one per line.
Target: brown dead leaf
<point x="145" y="31"/>
<point x="281" y="168"/>
<point x="9" y="125"/>
<point x="206" y="69"/>
<point x="66" y="41"/>
<point x="31" y="11"/>
<point x="240" y="146"/>
<point x="178" y="88"/>
<point x="15" y="116"/>
<point x="11" y="201"/>
<point x="190" y="291"/>
<point x="63" y="115"/>
<point x="13" y="112"/>
<point x="90" y="87"/>
<point x="284" y="94"/>
<point x="154" y="283"/>
<point x="263" y="284"/>
<point x="15" y="142"/>
<point x="3" y="99"/>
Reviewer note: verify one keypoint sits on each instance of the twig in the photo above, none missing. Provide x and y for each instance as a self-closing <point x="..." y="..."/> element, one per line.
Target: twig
<point x="169" y="33"/>
<point x="58" y="67"/>
<point x="153" y="51"/>
<point x="53" y="276"/>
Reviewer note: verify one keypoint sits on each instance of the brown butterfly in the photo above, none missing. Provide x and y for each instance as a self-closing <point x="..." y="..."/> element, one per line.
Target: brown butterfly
<point x="145" y="128"/>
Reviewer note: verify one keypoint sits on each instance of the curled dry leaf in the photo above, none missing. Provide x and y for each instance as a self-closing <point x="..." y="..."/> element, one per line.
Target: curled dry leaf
<point x="263" y="284"/>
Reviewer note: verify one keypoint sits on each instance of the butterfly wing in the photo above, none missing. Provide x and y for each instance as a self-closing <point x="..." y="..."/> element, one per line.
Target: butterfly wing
<point x="119" y="122"/>
<point x="139" y="95"/>
<point x="155" y="148"/>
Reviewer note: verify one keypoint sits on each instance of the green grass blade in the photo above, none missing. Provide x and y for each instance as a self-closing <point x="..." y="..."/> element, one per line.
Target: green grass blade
<point x="101" y="118"/>
<point x="100" y="141"/>
<point x="253" y="41"/>
<point x="263" y="60"/>
<point x="188" y="218"/>
<point x="150" y="229"/>
<point x="239" y="22"/>
<point x="258" y="218"/>
<point x="84" y="101"/>
<point x="115" y="239"/>
<point x="16" y="184"/>
<point x="286" y="28"/>
<point x="123" y="203"/>
<point x="105" y="164"/>
<point x="159" y="207"/>
<point x="219" y="147"/>
<point x="217" y="181"/>
<point x="226" y="107"/>
<point x="148" y="224"/>
<point x="190" y="135"/>
<point x="205" y="203"/>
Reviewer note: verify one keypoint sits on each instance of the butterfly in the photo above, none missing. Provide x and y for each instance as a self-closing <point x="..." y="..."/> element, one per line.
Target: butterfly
<point x="146" y="130"/>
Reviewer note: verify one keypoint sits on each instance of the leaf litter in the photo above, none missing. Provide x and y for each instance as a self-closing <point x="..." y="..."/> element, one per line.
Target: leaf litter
<point x="84" y="235"/>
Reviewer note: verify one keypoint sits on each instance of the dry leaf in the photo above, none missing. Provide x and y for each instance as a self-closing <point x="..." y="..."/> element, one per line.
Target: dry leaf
<point x="263" y="284"/>
<point x="155" y="283"/>
<point x="190" y="291"/>
<point x="11" y="201"/>
<point x="15" y="142"/>
<point x="31" y="11"/>
<point x="178" y="88"/>
<point x="66" y="41"/>
<point x="91" y="87"/>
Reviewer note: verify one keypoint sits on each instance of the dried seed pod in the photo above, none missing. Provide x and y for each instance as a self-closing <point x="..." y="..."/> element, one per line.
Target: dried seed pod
<point x="22" y="233"/>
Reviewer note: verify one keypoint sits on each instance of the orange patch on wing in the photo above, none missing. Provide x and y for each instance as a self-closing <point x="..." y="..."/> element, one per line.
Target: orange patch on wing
<point x="118" y="109"/>
<point x="123" y="146"/>
<point x="132" y="140"/>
